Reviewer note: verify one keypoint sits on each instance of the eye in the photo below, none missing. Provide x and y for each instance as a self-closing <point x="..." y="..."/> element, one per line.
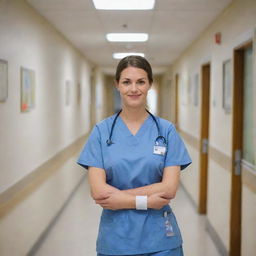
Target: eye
<point x="126" y="82"/>
<point x="141" y="82"/>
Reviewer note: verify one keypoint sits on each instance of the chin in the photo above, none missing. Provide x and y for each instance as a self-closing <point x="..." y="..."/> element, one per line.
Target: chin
<point x="135" y="104"/>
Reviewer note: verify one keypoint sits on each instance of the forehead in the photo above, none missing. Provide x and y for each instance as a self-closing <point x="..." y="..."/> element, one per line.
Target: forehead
<point x="133" y="73"/>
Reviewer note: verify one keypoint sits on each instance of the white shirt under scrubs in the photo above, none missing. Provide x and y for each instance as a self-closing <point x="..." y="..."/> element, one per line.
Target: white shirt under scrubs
<point x="131" y="162"/>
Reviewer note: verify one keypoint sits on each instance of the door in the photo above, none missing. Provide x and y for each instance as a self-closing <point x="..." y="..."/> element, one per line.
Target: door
<point x="241" y="140"/>
<point x="204" y="138"/>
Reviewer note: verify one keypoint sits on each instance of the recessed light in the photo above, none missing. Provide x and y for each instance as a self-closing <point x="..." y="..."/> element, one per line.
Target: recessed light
<point x="124" y="4"/>
<point x="127" y="37"/>
<point x="120" y="55"/>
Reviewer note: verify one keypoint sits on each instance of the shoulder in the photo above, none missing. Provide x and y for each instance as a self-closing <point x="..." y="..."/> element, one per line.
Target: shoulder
<point x="166" y="125"/>
<point x="105" y="124"/>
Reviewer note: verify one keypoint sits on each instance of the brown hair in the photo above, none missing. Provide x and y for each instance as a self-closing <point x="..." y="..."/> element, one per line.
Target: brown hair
<point x="134" y="61"/>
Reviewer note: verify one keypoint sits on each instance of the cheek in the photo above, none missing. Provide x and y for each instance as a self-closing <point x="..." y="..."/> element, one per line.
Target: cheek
<point x="145" y="90"/>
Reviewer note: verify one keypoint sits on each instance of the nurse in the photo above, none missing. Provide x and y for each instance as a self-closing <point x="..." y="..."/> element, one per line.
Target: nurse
<point x="134" y="160"/>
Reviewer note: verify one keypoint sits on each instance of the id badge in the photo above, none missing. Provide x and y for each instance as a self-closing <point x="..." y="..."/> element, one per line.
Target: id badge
<point x="168" y="226"/>
<point x="159" y="150"/>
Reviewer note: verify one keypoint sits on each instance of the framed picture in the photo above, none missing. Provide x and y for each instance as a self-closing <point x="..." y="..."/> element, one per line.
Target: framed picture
<point x="79" y="92"/>
<point x="227" y="86"/>
<point x="27" y="89"/>
<point x="190" y="89"/>
<point x="67" y="92"/>
<point x="3" y="80"/>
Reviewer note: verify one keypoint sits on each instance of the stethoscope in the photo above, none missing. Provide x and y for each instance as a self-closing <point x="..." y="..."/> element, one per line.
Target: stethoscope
<point x="159" y="137"/>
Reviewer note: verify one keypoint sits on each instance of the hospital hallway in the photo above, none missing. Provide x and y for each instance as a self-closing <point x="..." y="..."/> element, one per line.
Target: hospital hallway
<point x="58" y="83"/>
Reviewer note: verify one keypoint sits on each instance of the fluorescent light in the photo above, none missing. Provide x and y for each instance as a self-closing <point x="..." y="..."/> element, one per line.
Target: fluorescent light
<point x="124" y="4"/>
<point x="120" y="55"/>
<point x="127" y="37"/>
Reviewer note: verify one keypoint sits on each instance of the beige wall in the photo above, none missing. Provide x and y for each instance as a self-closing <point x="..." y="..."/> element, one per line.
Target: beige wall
<point x="30" y="139"/>
<point x="30" y="196"/>
<point x="236" y="24"/>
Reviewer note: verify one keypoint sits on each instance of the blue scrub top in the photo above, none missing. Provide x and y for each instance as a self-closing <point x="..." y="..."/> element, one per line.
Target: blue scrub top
<point x="130" y="163"/>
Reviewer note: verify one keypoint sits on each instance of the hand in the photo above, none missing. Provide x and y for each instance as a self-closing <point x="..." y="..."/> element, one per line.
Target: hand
<point x="157" y="201"/>
<point x="117" y="200"/>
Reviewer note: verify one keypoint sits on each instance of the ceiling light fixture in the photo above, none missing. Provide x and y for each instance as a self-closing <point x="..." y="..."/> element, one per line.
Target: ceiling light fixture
<point x="120" y="55"/>
<point x="124" y="4"/>
<point x="127" y="37"/>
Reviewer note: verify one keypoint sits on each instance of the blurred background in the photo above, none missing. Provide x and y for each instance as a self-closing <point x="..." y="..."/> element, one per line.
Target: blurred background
<point x="57" y="64"/>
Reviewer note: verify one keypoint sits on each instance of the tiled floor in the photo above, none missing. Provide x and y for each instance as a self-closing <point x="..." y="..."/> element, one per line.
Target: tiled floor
<point x="76" y="230"/>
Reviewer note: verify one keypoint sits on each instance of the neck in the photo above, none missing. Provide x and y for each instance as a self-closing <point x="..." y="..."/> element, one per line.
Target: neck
<point x="134" y="114"/>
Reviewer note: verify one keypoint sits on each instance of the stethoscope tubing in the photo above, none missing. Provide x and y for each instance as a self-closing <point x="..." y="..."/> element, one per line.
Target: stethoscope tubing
<point x="109" y="140"/>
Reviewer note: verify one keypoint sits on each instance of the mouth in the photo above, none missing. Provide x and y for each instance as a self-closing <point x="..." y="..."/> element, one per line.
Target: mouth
<point x="134" y="96"/>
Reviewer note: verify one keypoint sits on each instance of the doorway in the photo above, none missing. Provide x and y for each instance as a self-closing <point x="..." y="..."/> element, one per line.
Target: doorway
<point x="204" y="137"/>
<point x="241" y="141"/>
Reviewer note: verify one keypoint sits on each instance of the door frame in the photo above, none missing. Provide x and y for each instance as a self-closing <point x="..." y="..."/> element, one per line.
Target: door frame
<point x="237" y="144"/>
<point x="204" y="136"/>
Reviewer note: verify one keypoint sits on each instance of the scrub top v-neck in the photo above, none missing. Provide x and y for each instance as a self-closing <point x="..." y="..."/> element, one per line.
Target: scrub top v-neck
<point x="139" y="133"/>
<point x="130" y="162"/>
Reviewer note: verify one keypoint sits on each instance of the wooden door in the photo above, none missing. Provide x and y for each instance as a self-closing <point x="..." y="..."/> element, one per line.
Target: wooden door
<point x="204" y="138"/>
<point x="237" y="149"/>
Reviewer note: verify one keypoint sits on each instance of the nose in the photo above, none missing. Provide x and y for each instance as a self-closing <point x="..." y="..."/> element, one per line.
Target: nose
<point x="134" y="87"/>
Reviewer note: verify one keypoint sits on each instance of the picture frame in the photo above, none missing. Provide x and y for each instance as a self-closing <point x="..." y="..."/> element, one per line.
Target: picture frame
<point x="3" y="80"/>
<point x="227" y="86"/>
<point x="27" y="89"/>
<point x="67" y="92"/>
<point x="79" y="92"/>
<point x="196" y="90"/>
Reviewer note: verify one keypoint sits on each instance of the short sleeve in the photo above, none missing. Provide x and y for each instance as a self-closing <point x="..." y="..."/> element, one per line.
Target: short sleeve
<point x="177" y="154"/>
<point x="91" y="154"/>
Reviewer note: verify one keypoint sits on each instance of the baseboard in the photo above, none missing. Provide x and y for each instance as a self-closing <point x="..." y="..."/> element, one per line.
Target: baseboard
<point x="54" y="220"/>
<point x="216" y="239"/>
<point x="194" y="204"/>
<point x="11" y="197"/>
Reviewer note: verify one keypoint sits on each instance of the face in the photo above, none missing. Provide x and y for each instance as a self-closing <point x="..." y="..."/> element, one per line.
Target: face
<point x="133" y="87"/>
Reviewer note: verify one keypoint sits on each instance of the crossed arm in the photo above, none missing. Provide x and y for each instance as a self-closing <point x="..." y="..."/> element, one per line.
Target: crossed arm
<point x="109" y="197"/>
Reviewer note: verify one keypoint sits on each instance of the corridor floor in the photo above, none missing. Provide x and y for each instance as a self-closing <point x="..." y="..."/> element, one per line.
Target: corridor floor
<point x="76" y="229"/>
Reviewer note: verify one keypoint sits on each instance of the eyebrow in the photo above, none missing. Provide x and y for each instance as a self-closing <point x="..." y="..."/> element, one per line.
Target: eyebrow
<point x="126" y="78"/>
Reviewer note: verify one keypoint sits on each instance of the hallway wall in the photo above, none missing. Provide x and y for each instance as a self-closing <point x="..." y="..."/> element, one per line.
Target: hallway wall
<point x="28" y="41"/>
<point x="35" y="144"/>
<point x="236" y="25"/>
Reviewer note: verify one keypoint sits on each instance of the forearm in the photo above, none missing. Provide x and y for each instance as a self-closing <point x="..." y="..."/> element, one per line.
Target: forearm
<point x="102" y="190"/>
<point x="110" y="197"/>
<point x="151" y="189"/>
<point x="98" y="186"/>
<point x="123" y="200"/>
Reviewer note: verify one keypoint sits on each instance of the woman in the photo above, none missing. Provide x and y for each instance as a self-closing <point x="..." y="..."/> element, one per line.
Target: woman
<point x="134" y="161"/>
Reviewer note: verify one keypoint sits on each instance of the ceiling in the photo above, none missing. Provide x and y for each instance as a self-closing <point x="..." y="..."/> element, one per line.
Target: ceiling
<point x="172" y="26"/>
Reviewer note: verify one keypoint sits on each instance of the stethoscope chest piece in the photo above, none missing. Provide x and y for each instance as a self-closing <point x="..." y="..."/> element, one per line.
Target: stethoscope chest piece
<point x="162" y="139"/>
<point x="109" y="142"/>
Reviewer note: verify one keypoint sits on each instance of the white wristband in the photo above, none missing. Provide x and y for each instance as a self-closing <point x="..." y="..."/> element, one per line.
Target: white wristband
<point x="141" y="202"/>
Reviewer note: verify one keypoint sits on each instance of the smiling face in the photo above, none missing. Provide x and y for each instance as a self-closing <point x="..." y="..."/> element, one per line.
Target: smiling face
<point x="133" y="86"/>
